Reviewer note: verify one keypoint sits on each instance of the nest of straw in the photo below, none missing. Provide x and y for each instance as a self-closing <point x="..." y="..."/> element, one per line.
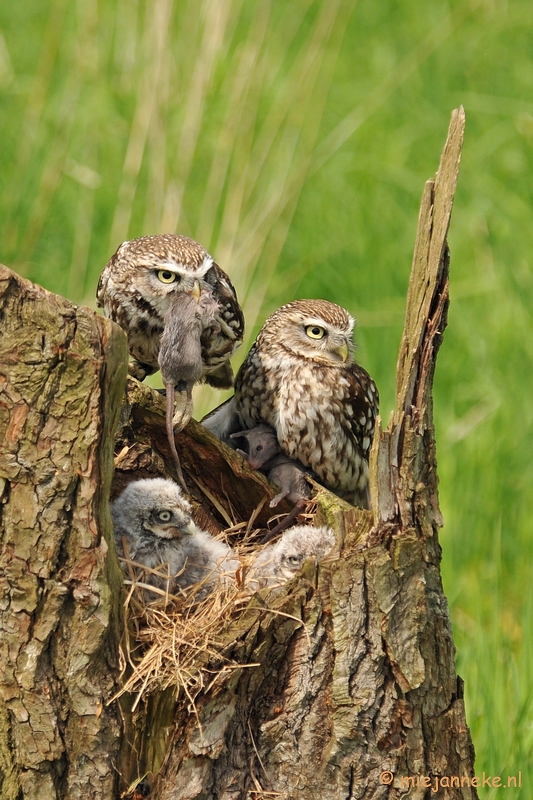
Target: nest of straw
<point x="182" y="641"/>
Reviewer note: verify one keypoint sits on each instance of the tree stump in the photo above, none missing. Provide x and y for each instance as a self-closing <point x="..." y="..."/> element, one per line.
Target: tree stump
<point x="354" y="693"/>
<point x="62" y="370"/>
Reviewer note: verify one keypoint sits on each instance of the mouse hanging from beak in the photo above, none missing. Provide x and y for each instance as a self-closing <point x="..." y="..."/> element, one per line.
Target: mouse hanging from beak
<point x="167" y="290"/>
<point x="180" y="358"/>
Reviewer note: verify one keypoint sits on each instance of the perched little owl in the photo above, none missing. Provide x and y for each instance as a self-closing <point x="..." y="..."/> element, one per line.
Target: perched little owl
<point x="300" y="377"/>
<point x="280" y="562"/>
<point x="155" y="519"/>
<point x="180" y="313"/>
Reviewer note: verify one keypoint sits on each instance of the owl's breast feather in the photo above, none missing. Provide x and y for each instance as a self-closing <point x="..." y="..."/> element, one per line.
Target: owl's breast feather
<point x="309" y="400"/>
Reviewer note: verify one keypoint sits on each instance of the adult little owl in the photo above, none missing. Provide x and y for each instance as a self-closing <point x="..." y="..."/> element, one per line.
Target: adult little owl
<point x="301" y="378"/>
<point x="144" y="287"/>
<point x="180" y="313"/>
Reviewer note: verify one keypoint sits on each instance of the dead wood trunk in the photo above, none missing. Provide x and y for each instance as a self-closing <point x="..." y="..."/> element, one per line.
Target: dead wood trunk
<point x="62" y="370"/>
<point x="355" y="687"/>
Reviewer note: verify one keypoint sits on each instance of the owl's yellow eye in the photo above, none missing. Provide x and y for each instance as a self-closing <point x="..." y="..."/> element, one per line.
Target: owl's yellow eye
<point x="315" y="332"/>
<point x="166" y="276"/>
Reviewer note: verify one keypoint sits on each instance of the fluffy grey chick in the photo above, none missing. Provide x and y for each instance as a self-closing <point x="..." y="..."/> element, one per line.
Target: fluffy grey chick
<point x="280" y="562"/>
<point x="265" y="454"/>
<point x="155" y="519"/>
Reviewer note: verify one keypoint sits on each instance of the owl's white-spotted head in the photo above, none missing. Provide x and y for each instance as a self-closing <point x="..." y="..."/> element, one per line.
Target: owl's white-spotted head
<point x="166" y="266"/>
<point x="312" y="329"/>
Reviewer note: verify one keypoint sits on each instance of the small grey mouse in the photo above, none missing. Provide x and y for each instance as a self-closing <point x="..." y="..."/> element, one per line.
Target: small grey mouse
<point x="265" y="454"/>
<point x="180" y="361"/>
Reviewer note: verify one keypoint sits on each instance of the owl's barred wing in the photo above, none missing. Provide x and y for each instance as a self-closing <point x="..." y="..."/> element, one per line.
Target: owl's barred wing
<point x="221" y="339"/>
<point x="223" y="421"/>
<point x="364" y="401"/>
<point x="230" y="315"/>
<point x="227" y="295"/>
<point x="101" y="288"/>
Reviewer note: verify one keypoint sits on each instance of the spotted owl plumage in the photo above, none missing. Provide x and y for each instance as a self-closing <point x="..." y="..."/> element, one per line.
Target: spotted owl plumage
<point x="301" y="378"/>
<point x="142" y="286"/>
<point x="181" y="315"/>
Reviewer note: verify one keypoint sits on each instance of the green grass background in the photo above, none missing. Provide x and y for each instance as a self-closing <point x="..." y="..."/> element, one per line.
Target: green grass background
<point x="293" y="140"/>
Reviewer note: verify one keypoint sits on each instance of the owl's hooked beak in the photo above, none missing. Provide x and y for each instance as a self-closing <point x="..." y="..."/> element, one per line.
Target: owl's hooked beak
<point x="343" y="351"/>
<point x="175" y="531"/>
<point x="196" y="291"/>
<point x="189" y="529"/>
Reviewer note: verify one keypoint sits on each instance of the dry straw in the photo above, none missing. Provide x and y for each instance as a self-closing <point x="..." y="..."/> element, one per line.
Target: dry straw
<point x="180" y="641"/>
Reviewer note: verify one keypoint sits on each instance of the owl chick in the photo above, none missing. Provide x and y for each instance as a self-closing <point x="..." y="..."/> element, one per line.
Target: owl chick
<point x="300" y="377"/>
<point x="180" y="313"/>
<point x="280" y="562"/>
<point x="265" y="454"/>
<point x="155" y="520"/>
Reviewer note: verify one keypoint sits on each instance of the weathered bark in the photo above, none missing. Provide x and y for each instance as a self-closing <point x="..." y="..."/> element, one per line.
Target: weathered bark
<point x="357" y="682"/>
<point x="61" y="368"/>
<point x="62" y="377"/>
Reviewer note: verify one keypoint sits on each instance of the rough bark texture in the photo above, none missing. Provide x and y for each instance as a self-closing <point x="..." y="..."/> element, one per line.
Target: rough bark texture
<point x="61" y="368"/>
<point x="355" y="689"/>
<point x="62" y="377"/>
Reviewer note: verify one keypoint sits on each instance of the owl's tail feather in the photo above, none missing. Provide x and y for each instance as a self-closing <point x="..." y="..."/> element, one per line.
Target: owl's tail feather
<point x="170" y="435"/>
